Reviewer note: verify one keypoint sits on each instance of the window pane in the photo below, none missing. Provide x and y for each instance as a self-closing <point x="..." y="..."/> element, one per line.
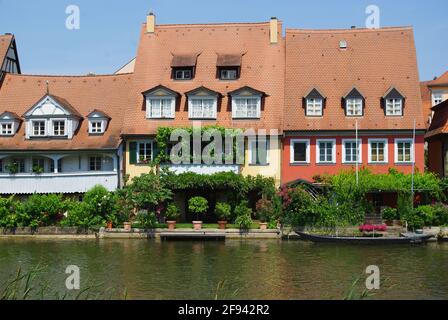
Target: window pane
<point x="300" y="151"/>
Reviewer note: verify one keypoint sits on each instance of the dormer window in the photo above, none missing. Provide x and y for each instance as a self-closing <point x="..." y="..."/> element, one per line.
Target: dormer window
<point x="393" y="102"/>
<point x="202" y="103"/>
<point x="6" y="129"/>
<point x="183" y="66"/>
<point x="229" y="66"/>
<point x="98" y="121"/>
<point x="246" y="103"/>
<point x="354" y="104"/>
<point x="9" y="123"/>
<point x="51" y="117"/>
<point x="160" y="103"/>
<point x="314" y="103"/>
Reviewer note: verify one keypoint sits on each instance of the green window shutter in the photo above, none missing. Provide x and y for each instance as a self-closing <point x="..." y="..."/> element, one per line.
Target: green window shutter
<point x="133" y="152"/>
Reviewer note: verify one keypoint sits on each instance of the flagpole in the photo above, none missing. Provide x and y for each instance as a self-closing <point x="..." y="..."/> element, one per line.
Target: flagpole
<point x="357" y="153"/>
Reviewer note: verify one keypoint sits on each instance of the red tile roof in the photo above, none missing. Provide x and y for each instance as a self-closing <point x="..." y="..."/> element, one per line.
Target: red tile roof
<point x="84" y="93"/>
<point x="374" y="61"/>
<point x="440" y="81"/>
<point x="439" y="124"/>
<point x="262" y="68"/>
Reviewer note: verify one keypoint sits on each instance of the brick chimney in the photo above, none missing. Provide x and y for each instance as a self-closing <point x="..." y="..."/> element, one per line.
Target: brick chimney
<point x="273" y="30"/>
<point x="150" y="22"/>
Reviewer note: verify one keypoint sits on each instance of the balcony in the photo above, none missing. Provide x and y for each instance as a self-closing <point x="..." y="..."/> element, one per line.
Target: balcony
<point x="74" y="182"/>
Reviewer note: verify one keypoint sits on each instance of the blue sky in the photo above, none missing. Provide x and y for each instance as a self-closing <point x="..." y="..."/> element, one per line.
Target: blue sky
<point x="109" y="29"/>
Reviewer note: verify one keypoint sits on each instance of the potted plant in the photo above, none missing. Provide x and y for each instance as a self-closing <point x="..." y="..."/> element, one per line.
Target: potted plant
<point x="198" y="206"/>
<point x="171" y="215"/>
<point x="222" y="211"/>
<point x="389" y="215"/>
<point x="13" y="168"/>
<point x="243" y="216"/>
<point x="265" y="210"/>
<point x="38" y="170"/>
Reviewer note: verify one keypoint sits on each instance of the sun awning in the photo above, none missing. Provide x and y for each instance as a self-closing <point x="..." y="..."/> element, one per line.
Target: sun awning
<point x="229" y="60"/>
<point x="184" y="60"/>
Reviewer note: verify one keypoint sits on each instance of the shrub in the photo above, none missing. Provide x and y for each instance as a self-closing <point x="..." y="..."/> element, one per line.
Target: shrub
<point x="414" y="220"/>
<point x="198" y="206"/>
<point x="147" y="219"/>
<point x="390" y="214"/>
<point x="102" y="202"/>
<point x="426" y="213"/>
<point x="441" y="214"/>
<point x="11" y="213"/>
<point x="81" y="214"/>
<point x="243" y="215"/>
<point x="172" y="212"/>
<point x="223" y="211"/>
<point x="148" y="192"/>
<point x="265" y="210"/>
<point x="44" y="210"/>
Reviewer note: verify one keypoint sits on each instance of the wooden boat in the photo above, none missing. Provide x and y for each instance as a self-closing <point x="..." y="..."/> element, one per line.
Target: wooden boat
<point x="405" y="239"/>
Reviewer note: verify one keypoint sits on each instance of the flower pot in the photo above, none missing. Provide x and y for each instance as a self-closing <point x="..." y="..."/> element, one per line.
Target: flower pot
<point x="109" y="225"/>
<point x="222" y="225"/>
<point x="263" y="225"/>
<point x="197" y="225"/>
<point x="127" y="226"/>
<point x="171" y="225"/>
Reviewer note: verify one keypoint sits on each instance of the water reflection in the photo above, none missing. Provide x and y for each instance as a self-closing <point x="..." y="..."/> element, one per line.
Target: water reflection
<point x="257" y="269"/>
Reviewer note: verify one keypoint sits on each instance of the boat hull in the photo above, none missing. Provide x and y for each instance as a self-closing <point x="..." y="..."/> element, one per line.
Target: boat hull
<point x="415" y="239"/>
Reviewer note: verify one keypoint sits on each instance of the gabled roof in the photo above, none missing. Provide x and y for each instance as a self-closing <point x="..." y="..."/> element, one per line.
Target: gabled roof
<point x="374" y="61"/>
<point x="63" y="103"/>
<point x="6" y="42"/>
<point x="314" y="92"/>
<point x="440" y="81"/>
<point x="202" y="91"/>
<point x="262" y="60"/>
<point x="393" y="93"/>
<point x="439" y="124"/>
<point x="160" y="89"/>
<point x="110" y="92"/>
<point x="100" y="112"/>
<point x="246" y="90"/>
<point x="353" y="93"/>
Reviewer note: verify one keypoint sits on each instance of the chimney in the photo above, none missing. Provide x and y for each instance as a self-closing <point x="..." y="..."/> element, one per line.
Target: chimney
<point x="273" y="30"/>
<point x="150" y="23"/>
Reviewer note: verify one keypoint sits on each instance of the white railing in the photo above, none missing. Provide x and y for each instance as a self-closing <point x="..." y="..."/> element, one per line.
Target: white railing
<point x="76" y="182"/>
<point x="202" y="168"/>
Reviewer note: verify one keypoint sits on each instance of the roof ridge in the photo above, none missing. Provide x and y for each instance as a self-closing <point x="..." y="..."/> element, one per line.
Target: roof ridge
<point x="383" y="29"/>
<point x="211" y="24"/>
<point x="69" y="76"/>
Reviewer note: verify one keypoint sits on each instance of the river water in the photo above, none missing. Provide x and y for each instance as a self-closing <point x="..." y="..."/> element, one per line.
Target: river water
<point x="250" y="269"/>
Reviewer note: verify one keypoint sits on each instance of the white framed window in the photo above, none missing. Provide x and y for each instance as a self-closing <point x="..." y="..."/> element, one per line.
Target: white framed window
<point x="351" y="150"/>
<point x="326" y="151"/>
<point x="300" y="151"/>
<point x="353" y="107"/>
<point x="38" y="128"/>
<point x="144" y="151"/>
<point x="258" y="151"/>
<point x="246" y="107"/>
<point x="202" y="108"/>
<point x="96" y="126"/>
<point x="378" y="152"/>
<point x="394" y="107"/>
<point x="437" y="98"/>
<point x="58" y="127"/>
<point x="183" y="74"/>
<point x="314" y="107"/>
<point x="6" y="129"/>
<point x="404" y="150"/>
<point x="160" y="108"/>
<point x="95" y="163"/>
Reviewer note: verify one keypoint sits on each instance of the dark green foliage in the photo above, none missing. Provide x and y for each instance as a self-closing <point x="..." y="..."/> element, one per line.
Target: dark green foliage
<point x="243" y="215"/>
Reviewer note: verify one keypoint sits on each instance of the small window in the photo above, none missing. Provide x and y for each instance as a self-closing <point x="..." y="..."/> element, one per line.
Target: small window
<point x="353" y="107"/>
<point x="95" y="163"/>
<point x="59" y="166"/>
<point x="314" y="107"/>
<point x="38" y="165"/>
<point x="96" y="127"/>
<point x="161" y="108"/>
<point x="19" y="164"/>
<point x="39" y="128"/>
<point x="258" y="151"/>
<point x="437" y="98"/>
<point x="378" y="151"/>
<point x="326" y="151"/>
<point x="351" y="151"/>
<point x="6" y="129"/>
<point x="300" y="151"/>
<point x="403" y="150"/>
<point x="183" y="74"/>
<point x="203" y="108"/>
<point x="246" y="107"/>
<point x="144" y="152"/>
<point x="394" y="107"/>
<point x="228" y="73"/>
<point x="59" y="128"/>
